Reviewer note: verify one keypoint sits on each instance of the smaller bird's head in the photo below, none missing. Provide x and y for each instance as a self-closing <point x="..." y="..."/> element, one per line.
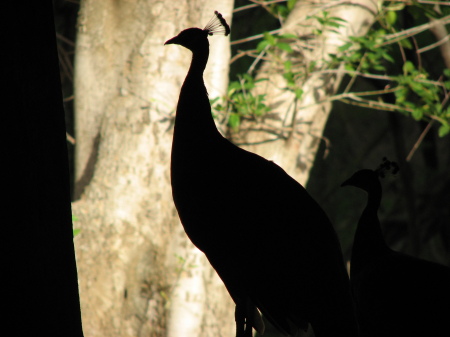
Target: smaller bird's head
<point x="367" y="179"/>
<point x="363" y="179"/>
<point x="196" y="38"/>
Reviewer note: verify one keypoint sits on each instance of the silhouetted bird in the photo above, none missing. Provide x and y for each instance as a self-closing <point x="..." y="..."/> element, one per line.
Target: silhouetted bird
<point x="269" y="241"/>
<point x="396" y="295"/>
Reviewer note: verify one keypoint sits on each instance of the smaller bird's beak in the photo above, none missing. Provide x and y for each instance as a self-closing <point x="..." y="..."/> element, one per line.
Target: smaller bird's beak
<point x="171" y="41"/>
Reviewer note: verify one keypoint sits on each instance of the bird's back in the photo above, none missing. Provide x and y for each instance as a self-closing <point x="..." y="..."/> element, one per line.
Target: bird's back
<point x="258" y="222"/>
<point x="399" y="295"/>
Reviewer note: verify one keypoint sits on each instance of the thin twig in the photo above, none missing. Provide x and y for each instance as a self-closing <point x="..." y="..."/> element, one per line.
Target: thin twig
<point x="419" y="141"/>
<point x="392" y="38"/>
<point x="353" y="72"/>
<point x="65" y="39"/>
<point x="256" y="4"/>
<point x="70" y="139"/>
<point x="242" y="53"/>
<point x="425" y="2"/>
<point x="254" y="37"/>
<point x="353" y="79"/>
<point x="256" y="61"/>
<point x="433" y="45"/>
<point x="419" y="58"/>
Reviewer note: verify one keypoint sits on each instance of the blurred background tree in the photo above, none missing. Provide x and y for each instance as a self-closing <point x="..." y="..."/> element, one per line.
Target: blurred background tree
<point x="322" y="88"/>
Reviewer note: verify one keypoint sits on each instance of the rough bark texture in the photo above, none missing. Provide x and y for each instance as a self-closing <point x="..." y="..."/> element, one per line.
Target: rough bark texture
<point x="139" y="274"/>
<point x="300" y="123"/>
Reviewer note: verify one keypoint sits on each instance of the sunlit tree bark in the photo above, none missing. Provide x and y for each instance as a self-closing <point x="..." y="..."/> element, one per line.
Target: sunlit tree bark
<point x="139" y="274"/>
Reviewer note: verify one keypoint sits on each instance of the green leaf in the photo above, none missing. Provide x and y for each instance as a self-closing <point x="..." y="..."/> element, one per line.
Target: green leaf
<point x="284" y="46"/>
<point x="417" y="114"/>
<point x="291" y="4"/>
<point x="447" y="72"/>
<point x="334" y="24"/>
<point x="388" y="57"/>
<point x="289" y="76"/>
<point x="76" y="232"/>
<point x="263" y="44"/>
<point x="335" y="18"/>
<point x="298" y="93"/>
<point x="378" y="67"/>
<point x="269" y="38"/>
<point x="447" y="112"/>
<point x="235" y="85"/>
<point x="287" y="65"/>
<point x="396" y="6"/>
<point x="287" y="36"/>
<point x="234" y="121"/>
<point x="282" y="11"/>
<point x="345" y="46"/>
<point x="261" y="79"/>
<point x="214" y="100"/>
<point x="408" y="67"/>
<point x="349" y="67"/>
<point x="444" y="130"/>
<point x="406" y="43"/>
<point x="317" y="31"/>
<point x="391" y="17"/>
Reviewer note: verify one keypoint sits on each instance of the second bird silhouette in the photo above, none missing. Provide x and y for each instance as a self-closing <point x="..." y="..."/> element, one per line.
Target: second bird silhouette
<point x="396" y="295"/>
<point x="269" y="241"/>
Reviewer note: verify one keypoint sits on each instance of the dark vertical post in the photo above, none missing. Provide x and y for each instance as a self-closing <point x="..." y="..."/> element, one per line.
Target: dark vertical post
<point x="39" y="278"/>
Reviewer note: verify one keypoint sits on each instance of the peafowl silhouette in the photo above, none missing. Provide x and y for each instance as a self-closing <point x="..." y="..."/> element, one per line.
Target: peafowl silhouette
<point x="269" y="241"/>
<point x="396" y="295"/>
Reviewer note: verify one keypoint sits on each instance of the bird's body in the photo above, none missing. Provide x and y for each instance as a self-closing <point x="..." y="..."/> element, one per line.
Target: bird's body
<point x="269" y="241"/>
<point x="396" y="295"/>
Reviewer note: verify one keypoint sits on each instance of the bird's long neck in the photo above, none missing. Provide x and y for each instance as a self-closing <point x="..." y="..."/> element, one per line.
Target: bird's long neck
<point x="369" y="242"/>
<point x="194" y="120"/>
<point x="198" y="63"/>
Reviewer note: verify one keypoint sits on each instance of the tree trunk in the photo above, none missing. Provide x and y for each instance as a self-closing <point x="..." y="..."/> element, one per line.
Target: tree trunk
<point x="300" y="122"/>
<point x="139" y="275"/>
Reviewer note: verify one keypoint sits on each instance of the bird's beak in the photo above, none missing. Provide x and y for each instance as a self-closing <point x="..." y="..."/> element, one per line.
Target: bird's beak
<point x="173" y="40"/>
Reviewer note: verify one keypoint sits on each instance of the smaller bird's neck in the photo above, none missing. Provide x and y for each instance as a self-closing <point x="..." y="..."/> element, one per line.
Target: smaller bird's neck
<point x="369" y="242"/>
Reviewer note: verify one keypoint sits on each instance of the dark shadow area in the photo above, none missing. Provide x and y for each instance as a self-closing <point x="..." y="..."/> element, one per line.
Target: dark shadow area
<point x="359" y="138"/>
<point x="88" y="172"/>
<point x="65" y="16"/>
<point x="396" y="294"/>
<point x="39" y="273"/>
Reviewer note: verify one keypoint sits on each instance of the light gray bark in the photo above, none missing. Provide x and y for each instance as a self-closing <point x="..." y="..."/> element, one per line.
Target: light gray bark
<point x="139" y="275"/>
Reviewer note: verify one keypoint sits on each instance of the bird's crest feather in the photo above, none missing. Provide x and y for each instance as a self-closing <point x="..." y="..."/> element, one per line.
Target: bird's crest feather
<point x="217" y="25"/>
<point x="387" y="166"/>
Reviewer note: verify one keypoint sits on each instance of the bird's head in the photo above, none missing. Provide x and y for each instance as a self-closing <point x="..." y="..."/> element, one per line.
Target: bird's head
<point x="362" y="179"/>
<point x="195" y="38"/>
<point x="191" y="38"/>
<point x="366" y="179"/>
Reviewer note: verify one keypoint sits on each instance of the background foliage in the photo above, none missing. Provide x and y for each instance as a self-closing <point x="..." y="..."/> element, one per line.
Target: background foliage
<point x="397" y="53"/>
